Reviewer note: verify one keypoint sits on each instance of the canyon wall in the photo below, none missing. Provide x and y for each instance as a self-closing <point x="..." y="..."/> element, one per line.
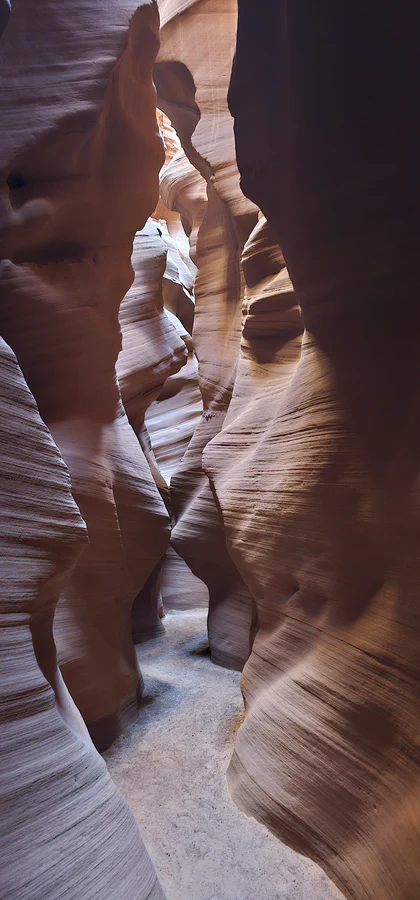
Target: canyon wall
<point x="80" y="155"/>
<point x="151" y="351"/>
<point x="316" y="473"/>
<point x="157" y="374"/>
<point x="192" y="83"/>
<point x="64" y="825"/>
<point x="296" y="501"/>
<point x="80" y="177"/>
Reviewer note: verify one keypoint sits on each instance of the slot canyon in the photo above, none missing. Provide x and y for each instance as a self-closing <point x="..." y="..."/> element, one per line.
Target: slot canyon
<point x="210" y="450"/>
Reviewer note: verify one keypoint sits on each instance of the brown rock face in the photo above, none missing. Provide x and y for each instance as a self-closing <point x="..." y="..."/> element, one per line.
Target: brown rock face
<point x="80" y="156"/>
<point x="270" y="351"/>
<point x="173" y="417"/>
<point x="152" y="351"/>
<point x="192" y="90"/>
<point x="151" y="348"/>
<point x="80" y="177"/>
<point x="321" y="509"/>
<point x="63" y="826"/>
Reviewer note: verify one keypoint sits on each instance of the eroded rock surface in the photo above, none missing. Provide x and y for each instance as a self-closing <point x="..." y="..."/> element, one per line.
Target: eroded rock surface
<point x="80" y="177"/>
<point x="321" y="512"/>
<point x="192" y="90"/>
<point x="64" y="826"/>
<point x="79" y="158"/>
<point x="154" y="348"/>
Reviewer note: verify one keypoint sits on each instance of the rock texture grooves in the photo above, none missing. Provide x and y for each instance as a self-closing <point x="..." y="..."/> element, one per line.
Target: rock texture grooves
<point x="322" y="511"/>
<point x="79" y="158"/>
<point x="80" y="164"/>
<point x="152" y="351"/>
<point x="192" y="87"/>
<point x="64" y="827"/>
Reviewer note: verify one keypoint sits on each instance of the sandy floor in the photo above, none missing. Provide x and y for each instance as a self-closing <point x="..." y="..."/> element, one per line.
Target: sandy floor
<point x="170" y="767"/>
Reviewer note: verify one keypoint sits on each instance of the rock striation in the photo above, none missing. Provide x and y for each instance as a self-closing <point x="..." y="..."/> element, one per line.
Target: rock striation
<point x="79" y="177"/>
<point x="154" y="348"/>
<point x="79" y="158"/>
<point x="321" y="509"/>
<point x="270" y="352"/>
<point x="192" y="90"/>
<point x="63" y="821"/>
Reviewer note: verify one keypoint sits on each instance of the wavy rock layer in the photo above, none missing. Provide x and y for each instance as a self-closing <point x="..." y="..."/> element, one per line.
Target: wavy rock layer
<point x="321" y="511"/>
<point x="192" y="89"/>
<point x="81" y="176"/>
<point x="155" y="346"/>
<point x="270" y="351"/>
<point x="78" y="176"/>
<point x="152" y="350"/>
<point x="64" y="826"/>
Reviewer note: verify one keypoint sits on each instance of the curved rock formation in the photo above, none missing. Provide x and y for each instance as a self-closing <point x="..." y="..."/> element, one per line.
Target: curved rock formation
<point x="64" y="826"/>
<point x="152" y="351"/>
<point x="65" y="268"/>
<point x="173" y="150"/>
<point x="270" y="351"/>
<point x="192" y="91"/>
<point x="80" y="177"/>
<point x="321" y="511"/>
<point x="183" y="193"/>
<point x="172" y="419"/>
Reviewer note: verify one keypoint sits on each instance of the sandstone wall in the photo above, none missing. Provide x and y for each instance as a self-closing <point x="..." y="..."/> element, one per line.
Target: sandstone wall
<point x="79" y="159"/>
<point x="81" y="176"/>
<point x="321" y="510"/>
<point x="192" y="84"/>
<point x="64" y="825"/>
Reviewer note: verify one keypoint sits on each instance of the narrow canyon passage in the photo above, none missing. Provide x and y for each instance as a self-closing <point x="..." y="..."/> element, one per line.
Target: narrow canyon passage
<point x="209" y="450"/>
<point x="170" y="767"/>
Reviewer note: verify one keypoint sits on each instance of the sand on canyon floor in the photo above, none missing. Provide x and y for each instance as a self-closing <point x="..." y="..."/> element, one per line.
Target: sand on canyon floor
<point x="170" y="767"/>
